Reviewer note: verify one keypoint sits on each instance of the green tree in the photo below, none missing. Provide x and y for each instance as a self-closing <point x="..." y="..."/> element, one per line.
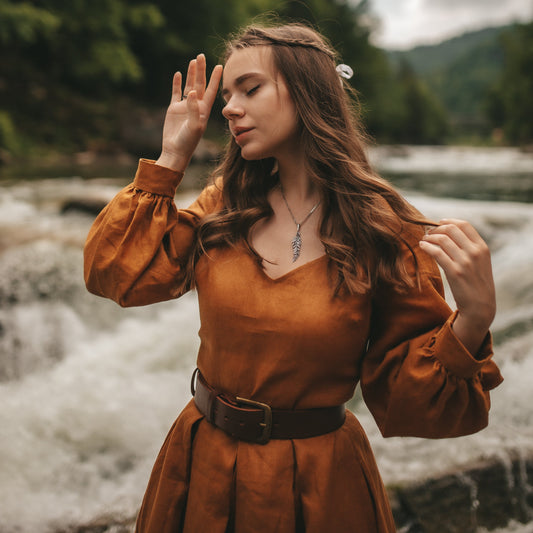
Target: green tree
<point x="70" y="71"/>
<point x="64" y="66"/>
<point x="22" y="25"/>
<point x="186" y="32"/>
<point x="510" y="105"/>
<point x="60" y="63"/>
<point x="424" y="119"/>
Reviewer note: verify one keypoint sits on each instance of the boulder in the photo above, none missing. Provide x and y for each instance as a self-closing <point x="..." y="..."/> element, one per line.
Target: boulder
<point x="488" y="494"/>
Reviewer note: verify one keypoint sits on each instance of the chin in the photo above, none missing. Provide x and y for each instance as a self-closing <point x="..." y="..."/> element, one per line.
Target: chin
<point x="250" y="154"/>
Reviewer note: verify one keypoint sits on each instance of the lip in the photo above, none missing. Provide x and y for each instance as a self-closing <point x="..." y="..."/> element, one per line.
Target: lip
<point x="239" y="132"/>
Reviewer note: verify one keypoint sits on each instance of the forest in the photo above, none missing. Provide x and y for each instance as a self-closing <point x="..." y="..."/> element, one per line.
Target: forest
<point x="80" y="75"/>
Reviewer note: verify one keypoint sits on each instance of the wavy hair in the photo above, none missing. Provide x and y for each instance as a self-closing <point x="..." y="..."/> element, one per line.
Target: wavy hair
<point x="362" y="214"/>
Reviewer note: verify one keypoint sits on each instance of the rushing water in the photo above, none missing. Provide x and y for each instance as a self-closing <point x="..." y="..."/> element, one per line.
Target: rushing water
<point x="88" y="390"/>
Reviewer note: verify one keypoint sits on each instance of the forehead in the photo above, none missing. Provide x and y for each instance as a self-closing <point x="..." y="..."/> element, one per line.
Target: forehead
<point x="253" y="59"/>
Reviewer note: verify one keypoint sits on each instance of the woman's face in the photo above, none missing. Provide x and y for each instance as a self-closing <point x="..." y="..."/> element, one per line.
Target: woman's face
<point x="261" y="114"/>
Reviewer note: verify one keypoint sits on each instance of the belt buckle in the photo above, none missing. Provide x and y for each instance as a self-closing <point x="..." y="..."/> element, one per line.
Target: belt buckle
<point x="193" y="380"/>
<point x="267" y="424"/>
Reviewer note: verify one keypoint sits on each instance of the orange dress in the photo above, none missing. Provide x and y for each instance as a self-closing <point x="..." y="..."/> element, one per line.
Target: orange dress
<point x="289" y="343"/>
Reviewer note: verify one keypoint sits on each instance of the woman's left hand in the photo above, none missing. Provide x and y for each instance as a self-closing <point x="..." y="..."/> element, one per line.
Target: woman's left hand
<point x="465" y="258"/>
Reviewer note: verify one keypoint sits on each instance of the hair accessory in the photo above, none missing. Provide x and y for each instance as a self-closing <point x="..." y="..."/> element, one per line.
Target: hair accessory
<point x="344" y="71"/>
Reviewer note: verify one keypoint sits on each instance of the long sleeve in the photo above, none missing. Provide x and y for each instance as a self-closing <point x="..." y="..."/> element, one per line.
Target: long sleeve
<point x="139" y="245"/>
<point x="417" y="378"/>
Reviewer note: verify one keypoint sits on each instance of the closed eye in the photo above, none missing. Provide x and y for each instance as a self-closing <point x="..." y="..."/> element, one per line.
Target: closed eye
<point x="252" y="90"/>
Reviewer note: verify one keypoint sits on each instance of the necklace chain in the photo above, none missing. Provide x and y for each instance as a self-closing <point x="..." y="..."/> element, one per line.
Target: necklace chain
<point x="296" y="243"/>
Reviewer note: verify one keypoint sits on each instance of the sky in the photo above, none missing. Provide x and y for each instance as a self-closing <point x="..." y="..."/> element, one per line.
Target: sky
<point x="407" y="23"/>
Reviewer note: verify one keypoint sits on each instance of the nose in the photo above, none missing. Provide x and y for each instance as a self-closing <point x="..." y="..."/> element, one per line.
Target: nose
<point x="232" y="109"/>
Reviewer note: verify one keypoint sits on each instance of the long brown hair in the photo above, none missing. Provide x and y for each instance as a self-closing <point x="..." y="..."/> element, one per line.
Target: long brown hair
<point x="362" y="214"/>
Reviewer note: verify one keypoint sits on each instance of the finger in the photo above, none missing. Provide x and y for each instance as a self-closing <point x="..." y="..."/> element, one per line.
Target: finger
<point x="200" y="79"/>
<point x="471" y="247"/>
<point x="465" y="226"/>
<point x="470" y="259"/>
<point x="439" y="254"/>
<point x="191" y="75"/>
<point x="447" y="245"/>
<point x="194" y="110"/>
<point x="453" y="232"/>
<point x="212" y="89"/>
<point x="176" y="88"/>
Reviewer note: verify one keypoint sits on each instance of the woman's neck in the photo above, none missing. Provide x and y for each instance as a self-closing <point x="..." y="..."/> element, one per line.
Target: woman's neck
<point x="297" y="185"/>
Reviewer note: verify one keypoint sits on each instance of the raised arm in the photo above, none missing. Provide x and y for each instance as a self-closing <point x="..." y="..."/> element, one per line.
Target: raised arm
<point x="138" y="247"/>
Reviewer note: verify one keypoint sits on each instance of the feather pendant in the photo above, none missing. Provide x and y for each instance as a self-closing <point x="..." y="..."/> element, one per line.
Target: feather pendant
<point x="296" y="244"/>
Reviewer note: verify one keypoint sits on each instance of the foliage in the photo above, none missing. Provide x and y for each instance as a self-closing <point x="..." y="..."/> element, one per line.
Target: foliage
<point x="422" y="119"/>
<point x="68" y="69"/>
<point x="510" y="105"/>
<point x="463" y="85"/>
<point x="8" y="136"/>
<point x="24" y="23"/>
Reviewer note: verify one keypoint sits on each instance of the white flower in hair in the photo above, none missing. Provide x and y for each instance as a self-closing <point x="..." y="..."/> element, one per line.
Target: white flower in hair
<point x="344" y="71"/>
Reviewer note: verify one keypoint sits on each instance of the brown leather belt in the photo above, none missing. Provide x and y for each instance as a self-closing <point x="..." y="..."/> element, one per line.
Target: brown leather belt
<point x="257" y="422"/>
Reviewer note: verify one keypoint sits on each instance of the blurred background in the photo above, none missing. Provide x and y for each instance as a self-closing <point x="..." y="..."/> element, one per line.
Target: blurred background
<point x="88" y="390"/>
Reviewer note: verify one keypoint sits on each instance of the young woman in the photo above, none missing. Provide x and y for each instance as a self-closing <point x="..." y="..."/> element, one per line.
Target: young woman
<point x="312" y="275"/>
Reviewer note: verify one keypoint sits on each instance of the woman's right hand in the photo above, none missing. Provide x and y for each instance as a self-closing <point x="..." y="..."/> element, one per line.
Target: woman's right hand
<point x="187" y="116"/>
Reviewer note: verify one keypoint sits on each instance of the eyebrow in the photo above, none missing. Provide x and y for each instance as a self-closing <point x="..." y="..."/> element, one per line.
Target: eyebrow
<point x="240" y="80"/>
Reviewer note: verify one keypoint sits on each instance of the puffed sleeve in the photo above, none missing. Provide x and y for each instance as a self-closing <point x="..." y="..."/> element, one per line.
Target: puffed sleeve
<point x="139" y="245"/>
<point x="417" y="378"/>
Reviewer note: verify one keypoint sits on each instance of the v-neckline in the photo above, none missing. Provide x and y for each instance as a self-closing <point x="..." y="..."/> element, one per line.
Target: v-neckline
<point x="290" y="272"/>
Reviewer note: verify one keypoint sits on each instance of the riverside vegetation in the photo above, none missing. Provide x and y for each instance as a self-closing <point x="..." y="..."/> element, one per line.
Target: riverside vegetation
<point x="81" y="76"/>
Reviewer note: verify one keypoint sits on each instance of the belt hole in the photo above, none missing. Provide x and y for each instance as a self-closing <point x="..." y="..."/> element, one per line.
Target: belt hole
<point x="241" y="423"/>
<point x="226" y="419"/>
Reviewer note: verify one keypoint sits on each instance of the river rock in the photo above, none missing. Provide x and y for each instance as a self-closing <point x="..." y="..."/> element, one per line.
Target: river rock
<point x="103" y="525"/>
<point x="488" y="494"/>
<point x="90" y="206"/>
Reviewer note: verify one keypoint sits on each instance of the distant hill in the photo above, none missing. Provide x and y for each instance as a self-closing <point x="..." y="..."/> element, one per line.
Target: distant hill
<point x="429" y="58"/>
<point x="460" y="72"/>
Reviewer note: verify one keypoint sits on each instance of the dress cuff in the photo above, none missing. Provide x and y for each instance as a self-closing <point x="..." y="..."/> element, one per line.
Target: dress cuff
<point x="156" y="179"/>
<point x="453" y="355"/>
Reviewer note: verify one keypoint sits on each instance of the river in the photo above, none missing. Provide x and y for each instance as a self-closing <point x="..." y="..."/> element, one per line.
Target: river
<point x="88" y="390"/>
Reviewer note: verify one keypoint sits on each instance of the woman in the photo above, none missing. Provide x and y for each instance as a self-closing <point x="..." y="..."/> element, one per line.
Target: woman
<point x="312" y="274"/>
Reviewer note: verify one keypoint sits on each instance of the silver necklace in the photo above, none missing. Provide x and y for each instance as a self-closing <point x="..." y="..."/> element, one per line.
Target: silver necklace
<point x="296" y="243"/>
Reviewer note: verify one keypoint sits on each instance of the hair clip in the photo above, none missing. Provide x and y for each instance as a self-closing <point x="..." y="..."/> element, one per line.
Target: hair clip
<point x="344" y="71"/>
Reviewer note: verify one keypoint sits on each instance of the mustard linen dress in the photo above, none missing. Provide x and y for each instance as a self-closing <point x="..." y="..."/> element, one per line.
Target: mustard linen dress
<point x="289" y="343"/>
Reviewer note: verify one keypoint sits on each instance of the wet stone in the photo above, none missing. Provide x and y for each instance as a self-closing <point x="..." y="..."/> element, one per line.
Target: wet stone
<point x="485" y="495"/>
